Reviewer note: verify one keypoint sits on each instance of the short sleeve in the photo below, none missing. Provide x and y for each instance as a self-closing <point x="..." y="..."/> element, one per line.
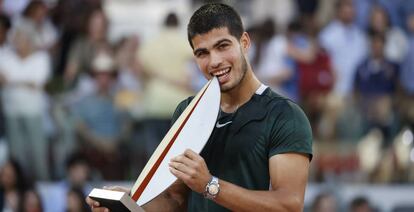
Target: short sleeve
<point x="291" y="130"/>
<point x="180" y="109"/>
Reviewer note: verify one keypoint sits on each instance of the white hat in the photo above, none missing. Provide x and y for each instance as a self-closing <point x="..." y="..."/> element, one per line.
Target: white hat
<point x="103" y="63"/>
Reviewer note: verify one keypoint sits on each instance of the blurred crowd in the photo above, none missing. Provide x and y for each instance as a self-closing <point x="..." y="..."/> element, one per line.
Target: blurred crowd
<point x="77" y="107"/>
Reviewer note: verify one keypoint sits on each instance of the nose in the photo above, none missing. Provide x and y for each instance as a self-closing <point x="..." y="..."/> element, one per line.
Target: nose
<point x="215" y="60"/>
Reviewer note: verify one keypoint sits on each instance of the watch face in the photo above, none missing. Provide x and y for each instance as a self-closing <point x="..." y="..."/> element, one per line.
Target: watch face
<point x="213" y="189"/>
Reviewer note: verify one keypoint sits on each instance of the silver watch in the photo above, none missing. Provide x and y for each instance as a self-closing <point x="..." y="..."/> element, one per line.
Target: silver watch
<point x="212" y="188"/>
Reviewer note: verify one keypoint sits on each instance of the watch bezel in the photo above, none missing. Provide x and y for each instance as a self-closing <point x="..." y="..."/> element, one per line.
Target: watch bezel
<point x="213" y="183"/>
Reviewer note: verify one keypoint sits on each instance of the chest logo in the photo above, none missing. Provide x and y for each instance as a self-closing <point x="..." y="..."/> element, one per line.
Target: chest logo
<point x="218" y="125"/>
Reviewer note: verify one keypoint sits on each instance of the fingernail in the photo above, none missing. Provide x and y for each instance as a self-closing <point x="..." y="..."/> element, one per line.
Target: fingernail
<point x="96" y="204"/>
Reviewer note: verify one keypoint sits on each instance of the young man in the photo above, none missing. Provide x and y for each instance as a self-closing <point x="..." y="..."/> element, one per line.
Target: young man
<point x="257" y="158"/>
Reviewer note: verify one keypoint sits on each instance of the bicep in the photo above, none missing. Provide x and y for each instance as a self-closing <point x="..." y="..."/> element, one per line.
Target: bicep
<point x="289" y="172"/>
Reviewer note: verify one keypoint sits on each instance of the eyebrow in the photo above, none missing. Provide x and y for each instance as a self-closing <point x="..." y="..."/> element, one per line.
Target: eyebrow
<point x="214" y="46"/>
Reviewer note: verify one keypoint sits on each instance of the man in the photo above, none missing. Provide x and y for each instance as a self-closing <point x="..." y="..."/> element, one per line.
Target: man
<point x="260" y="137"/>
<point x="101" y="127"/>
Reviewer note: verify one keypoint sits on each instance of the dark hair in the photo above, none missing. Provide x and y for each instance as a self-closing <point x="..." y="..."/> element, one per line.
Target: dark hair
<point x="171" y="20"/>
<point x="340" y="3"/>
<point x="5" y="22"/>
<point x="74" y="159"/>
<point x="213" y="16"/>
<point x="374" y="34"/>
<point x="32" y="6"/>
<point x="359" y="201"/>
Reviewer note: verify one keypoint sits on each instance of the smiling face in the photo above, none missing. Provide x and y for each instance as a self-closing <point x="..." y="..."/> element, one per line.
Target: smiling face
<point x="220" y="54"/>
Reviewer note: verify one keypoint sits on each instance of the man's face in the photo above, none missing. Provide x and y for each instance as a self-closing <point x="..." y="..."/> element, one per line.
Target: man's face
<point x="346" y="12"/>
<point x="220" y="54"/>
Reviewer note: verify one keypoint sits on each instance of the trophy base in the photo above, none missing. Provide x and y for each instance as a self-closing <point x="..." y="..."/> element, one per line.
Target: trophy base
<point x="115" y="200"/>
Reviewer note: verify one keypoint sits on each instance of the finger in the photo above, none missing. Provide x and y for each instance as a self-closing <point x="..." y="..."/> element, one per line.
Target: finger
<point x="183" y="168"/>
<point x="191" y="154"/>
<point x="117" y="188"/>
<point x="184" y="160"/>
<point x="92" y="203"/>
<point x="180" y="175"/>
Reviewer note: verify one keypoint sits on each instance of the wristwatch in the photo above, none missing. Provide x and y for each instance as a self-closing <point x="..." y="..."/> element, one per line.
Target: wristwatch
<point x="212" y="188"/>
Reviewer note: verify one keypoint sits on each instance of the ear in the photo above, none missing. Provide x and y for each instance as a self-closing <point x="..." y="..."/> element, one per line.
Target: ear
<point x="245" y="42"/>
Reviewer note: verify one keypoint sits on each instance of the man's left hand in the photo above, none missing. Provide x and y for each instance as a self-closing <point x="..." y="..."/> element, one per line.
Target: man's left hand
<point x="191" y="168"/>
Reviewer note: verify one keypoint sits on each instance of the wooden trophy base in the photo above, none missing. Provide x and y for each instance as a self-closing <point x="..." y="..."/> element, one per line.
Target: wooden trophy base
<point x="115" y="201"/>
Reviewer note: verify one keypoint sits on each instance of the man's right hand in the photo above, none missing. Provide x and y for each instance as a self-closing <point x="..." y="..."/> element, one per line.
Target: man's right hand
<point x="95" y="206"/>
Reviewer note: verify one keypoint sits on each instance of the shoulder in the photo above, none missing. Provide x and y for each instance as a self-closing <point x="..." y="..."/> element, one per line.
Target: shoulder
<point x="289" y="128"/>
<point x="276" y="103"/>
<point x="184" y="103"/>
<point x="181" y="107"/>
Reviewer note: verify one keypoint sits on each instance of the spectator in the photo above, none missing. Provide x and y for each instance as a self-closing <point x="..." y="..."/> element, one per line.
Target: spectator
<point x="76" y="201"/>
<point x="269" y="57"/>
<point x="407" y="78"/>
<point x="35" y="17"/>
<point x="315" y="81"/>
<point x="13" y="184"/>
<point x="360" y="204"/>
<point x="376" y="80"/>
<point x="346" y="45"/>
<point x="84" y="49"/>
<point x="129" y="71"/>
<point x="70" y="27"/>
<point x="396" y="41"/>
<point x="166" y="80"/>
<point x="325" y="202"/>
<point x="31" y="202"/>
<point x="101" y="127"/>
<point x="25" y="71"/>
<point x="78" y="172"/>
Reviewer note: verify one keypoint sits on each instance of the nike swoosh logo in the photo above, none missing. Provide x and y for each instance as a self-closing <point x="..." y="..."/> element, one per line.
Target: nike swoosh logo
<point x="218" y="125"/>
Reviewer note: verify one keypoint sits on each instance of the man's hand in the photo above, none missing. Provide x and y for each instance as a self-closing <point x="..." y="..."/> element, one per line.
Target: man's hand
<point x="95" y="205"/>
<point x="191" y="168"/>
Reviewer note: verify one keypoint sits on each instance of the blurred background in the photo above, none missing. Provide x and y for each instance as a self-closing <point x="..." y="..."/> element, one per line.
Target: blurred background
<point x="88" y="88"/>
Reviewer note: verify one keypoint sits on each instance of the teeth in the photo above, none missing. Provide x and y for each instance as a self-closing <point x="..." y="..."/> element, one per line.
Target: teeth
<point x="224" y="71"/>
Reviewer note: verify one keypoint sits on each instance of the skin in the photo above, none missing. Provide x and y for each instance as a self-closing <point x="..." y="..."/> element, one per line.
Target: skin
<point x="216" y="51"/>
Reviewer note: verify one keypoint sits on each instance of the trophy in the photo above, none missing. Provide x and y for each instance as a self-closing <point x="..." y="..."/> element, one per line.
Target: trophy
<point x="190" y="131"/>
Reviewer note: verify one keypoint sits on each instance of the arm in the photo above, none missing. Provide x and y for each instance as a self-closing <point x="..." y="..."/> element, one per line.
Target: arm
<point x="172" y="199"/>
<point x="288" y="173"/>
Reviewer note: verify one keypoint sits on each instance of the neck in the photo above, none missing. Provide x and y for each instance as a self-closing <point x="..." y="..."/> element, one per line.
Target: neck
<point x="233" y="99"/>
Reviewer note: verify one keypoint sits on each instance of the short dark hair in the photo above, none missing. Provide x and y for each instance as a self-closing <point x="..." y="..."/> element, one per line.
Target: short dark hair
<point x="374" y="34"/>
<point x="171" y="20"/>
<point x="32" y="6"/>
<point x="213" y="16"/>
<point x="359" y="201"/>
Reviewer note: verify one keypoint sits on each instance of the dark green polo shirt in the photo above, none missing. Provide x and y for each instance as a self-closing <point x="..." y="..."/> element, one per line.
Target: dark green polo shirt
<point x="241" y="143"/>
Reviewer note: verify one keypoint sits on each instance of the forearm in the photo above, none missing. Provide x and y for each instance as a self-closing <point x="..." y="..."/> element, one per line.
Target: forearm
<point x="164" y="202"/>
<point x="249" y="200"/>
<point x="171" y="200"/>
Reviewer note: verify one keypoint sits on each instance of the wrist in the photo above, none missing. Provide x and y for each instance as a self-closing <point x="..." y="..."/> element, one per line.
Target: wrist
<point x="212" y="188"/>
